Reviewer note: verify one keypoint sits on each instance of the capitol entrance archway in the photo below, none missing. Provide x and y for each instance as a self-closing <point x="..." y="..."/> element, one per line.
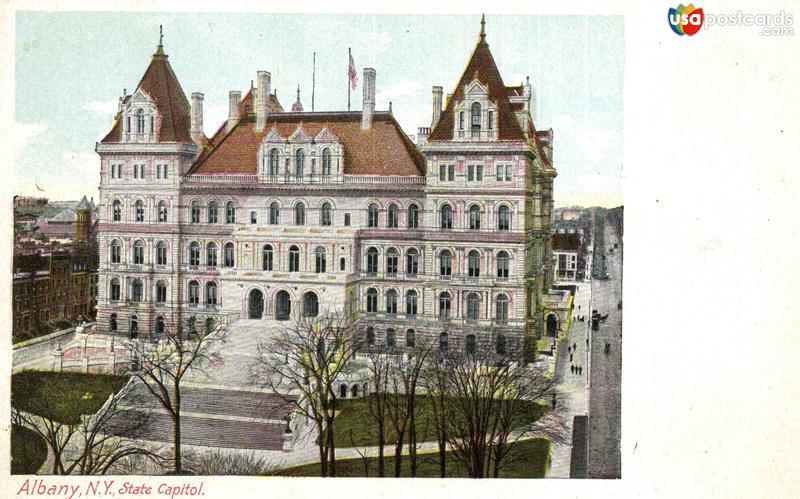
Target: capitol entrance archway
<point x="255" y="304"/>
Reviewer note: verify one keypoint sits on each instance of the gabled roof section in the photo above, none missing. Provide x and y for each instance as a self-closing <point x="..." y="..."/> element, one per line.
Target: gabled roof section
<point x="84" y="205"/>
<point x="382" y="150"/>
<point x="482" y="67"/>
<point x="160" y="83"/>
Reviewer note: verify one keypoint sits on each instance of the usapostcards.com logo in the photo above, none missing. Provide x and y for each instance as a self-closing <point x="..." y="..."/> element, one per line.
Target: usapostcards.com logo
<point x="685" y="20"/>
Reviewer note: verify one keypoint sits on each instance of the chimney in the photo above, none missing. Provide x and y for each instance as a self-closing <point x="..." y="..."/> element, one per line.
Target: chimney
<point x="528" y="93"/>
<point x="234" y="97"/>
<point x="368" y="108"/>
<point x="437" y="104"/>
<point x="262" y="100"/>
<point x="196" y="130"/>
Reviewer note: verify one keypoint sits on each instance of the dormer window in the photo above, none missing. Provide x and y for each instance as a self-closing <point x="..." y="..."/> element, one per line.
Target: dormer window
<point x="140" y="121"/>
<point x="326" y="162"/>
<point x="274" y="157"/>
<point x="461" y="120"/>
<point x="475" y="122"/>
<point x="299" y="162"/>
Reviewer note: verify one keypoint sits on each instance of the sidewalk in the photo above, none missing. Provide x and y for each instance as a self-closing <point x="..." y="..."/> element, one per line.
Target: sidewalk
<point x="572" y="388"/>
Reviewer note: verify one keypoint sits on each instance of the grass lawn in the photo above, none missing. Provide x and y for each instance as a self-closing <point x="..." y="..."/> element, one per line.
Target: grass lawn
<point x="528" y="459"/>
<point x="354" y="422"/>
<point x="62" y="396"/>
<point x="28" y="451"/>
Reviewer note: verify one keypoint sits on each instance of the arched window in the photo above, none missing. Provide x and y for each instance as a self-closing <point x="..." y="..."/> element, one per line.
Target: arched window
<point x="325" y="214"/>
<point x="310" y="304"/>
<point x="230" y="212"/>
<point x="294" y="259"/>
<point x="392" y="216"/>
<point x="474" y="263"/>
<point x="320" y="260"/>
<point x="391" y="302"/>
<point x="413" y="216"/>
<point x="443" y="342"/>
<point x="391" y="262"/>
<point x="411" y="303"/>
<point x="370" y="336"/>
<point x="410" y="340"/>
<point x="161" y="253"/>
<point x="137" y="290"/>
<point x="502" y="264"/>
<point x="470" y="344"/>
<point x="274" y="159"/>
<point x="159" y="325"/>
<point x="211" y="293"/>
<point x="116" y="252"/>
<point x="114" y="290"/>
<point x="444" y="305"/>
<point x="446" y="216"/>
<point x="116" y="211"/>
<point x="475" y="122"/>
<point x="326" y="161"/>
<point x="211" y="254"/>
<point x="212" y="212"/>
<point x="501" y="312"/>
<point x="372" y="300"/>
<point x="134" y="328"/>
<point x="473" y="306"/>
<point x="372" y="260"/>
<point x="474" y="217"/>
<point x="372" y="215"/>
<point x="112" y="323"/>
<point x="194" y="254"/>
<point x="195" y="212"/>
<point x="391" y="338"/>
<point x="266" y="257"/>
<point x="500" y="344"/>
<point x="140" y="121"/>
<point x="229" y="260"/>
<point x="412" y="262"/>
<point x="503" y="218"/>
<point x="138" y="209"/>
<point x="162" y="211"/>
<point x="445" y="263"/>
<point x="283" y="306"/>
<point x="194" y="293"/>
<point x="274" y="214"/>
<point x="299" y="162"/>
<point x="300" y="214"/>
<point x="138" y="253"/>
<point x="161" y="292"/>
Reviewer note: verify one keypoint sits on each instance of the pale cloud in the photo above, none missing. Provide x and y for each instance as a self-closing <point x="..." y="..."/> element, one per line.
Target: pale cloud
<point x="595" y="142"/>
<point x="397" y="90"/>
<point x="22" y="134"/>
<point x="103" y="107"/>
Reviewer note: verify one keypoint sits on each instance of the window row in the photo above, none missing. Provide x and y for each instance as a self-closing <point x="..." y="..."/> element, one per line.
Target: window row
<point x="138" y="252"/>
<point x="272" y="163"/>
<point x="502" y="172"/>
<point x="445" y="260"/>
<point x="474" y="216"/>
<point x="470" y="342"/>
<point x="472" y="302"/>
<point x="161" y="171"/>
<point x="136" y="292"/>
<point x="139" y="207"/>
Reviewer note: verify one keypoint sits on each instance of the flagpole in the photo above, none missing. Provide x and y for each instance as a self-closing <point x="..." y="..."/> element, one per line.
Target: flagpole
<point x="313" y="80"/>
<point x="349" y="56"/>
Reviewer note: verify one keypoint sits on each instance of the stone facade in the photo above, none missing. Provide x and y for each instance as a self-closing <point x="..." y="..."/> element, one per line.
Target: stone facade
<point x="281" y="214"/>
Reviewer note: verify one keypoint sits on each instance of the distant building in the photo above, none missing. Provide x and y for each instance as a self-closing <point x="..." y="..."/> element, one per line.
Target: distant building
<point x="566" y="256"/>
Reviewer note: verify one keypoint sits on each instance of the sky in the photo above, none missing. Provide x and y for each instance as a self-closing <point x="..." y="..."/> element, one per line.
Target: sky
<point x="71" y="69"/>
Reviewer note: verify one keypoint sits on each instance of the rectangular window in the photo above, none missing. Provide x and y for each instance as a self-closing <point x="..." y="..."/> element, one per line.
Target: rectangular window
<point x="138" y="171"/>
<point x="451" y="172"/>
<point x="508" y="173"/>
<point x="161" y="171"/>
<point x="475" y="173"/>
<point x="479" y="173"/>
<point x="253" y="217"/>
<point x="442" y="173"/>
<point x="471" y="173"/>
<point x="347" y="219"/>
<point x="461" y="120"/>
<point x="491" y="120"/>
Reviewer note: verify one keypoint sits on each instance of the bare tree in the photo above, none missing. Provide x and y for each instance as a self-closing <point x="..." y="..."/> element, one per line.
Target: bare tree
<point x="92" y="445"/>
<point x="362" y="453"/>
<point x="161" y="366"/>
<point x="379" y="365"/>
<point x="496" y="400"/>
<point x="404" y="377"/>
<point x="435" y="380"/>
<point x="301" y="363"/>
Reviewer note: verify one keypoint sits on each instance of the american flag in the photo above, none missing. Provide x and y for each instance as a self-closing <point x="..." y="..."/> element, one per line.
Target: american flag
<point x="351" y="73"/>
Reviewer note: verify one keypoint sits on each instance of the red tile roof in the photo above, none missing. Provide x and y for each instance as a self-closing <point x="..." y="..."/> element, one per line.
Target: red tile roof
<point x="383" y="150"/>
<point x="482" y="67"/>
<point x="160" y="83"/>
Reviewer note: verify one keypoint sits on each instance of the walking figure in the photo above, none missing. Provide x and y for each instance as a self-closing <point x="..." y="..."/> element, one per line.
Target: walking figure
<point x="574" y="346"/>
<point x="554" y="401"/>
<point x="570" y="357"/>
<point x="569" y="349"/>
<point x="572" y="368"/>
<point x="580" y="369"/>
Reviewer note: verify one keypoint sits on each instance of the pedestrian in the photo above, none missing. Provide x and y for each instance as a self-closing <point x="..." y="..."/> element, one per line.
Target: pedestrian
<point x="554" y="401"/>
<point x="579" y="307"/>
<point x="580" y="369"/>
<point x="572" y="368"/>
<point x="569" y="349"/>
<point x="574" y="346"/>
<point x="570" y="357"/>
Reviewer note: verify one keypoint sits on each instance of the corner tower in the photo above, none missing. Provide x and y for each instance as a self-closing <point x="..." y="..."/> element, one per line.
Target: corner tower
<point x="155" y="137"/>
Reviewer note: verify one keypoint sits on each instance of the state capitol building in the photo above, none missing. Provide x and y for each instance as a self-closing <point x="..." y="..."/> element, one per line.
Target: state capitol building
<point x="284" y="214"/>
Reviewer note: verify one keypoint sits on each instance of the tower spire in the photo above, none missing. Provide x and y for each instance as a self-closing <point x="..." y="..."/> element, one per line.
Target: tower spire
<point x="483" y="26"/>
<point x="160" y="48"/>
